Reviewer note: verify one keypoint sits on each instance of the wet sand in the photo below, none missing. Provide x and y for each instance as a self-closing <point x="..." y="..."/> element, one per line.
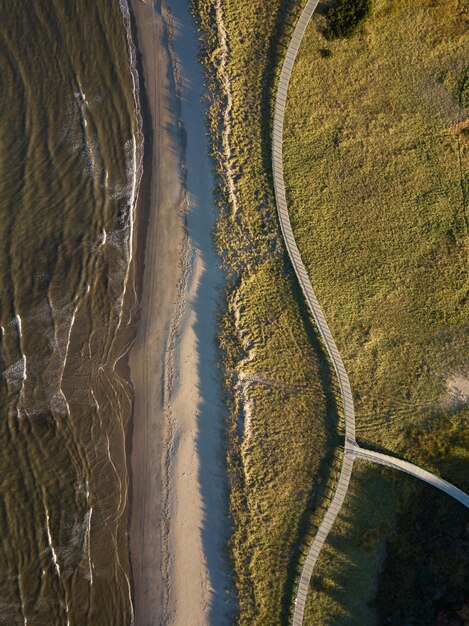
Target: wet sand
<point x="178" y="511"/>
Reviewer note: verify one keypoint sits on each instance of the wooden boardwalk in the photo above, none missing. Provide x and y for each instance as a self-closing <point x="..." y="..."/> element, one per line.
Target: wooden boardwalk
<point x="351" y="450"/>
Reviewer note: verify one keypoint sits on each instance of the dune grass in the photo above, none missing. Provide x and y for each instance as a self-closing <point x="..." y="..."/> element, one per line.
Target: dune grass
<point x="344" y="581"/>
<point x="398" y="553"/>
<point x="374" y="150"/>
<point x="284" y="425"/>
<point x="344" y="18"/>
<point x="376" y="130"/>
<point x="376" y="125"/>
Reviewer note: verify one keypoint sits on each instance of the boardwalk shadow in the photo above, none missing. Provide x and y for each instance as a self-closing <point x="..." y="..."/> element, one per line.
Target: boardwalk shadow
<point x="314" y="504"/>
<point x="286" y="20"/>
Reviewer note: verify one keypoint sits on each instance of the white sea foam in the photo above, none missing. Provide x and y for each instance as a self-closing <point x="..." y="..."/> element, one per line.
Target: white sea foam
<point x="83" y="100"/>
<point x="69" y="334"/>
<point x="77" y="548"/>
<point x="114" y="238"/>
<point x="23" y="608"/>
<point x="51" y="368"/>
<point x="93" y="162"/>
<point x="88" y="542"/>
<point x="59" y="337"/>
<point x="71" y="132"/>
<point x="134" y="167"/>
<point x="115" y="190"/>
<point x="78" y="137"/>
<point x="51" y="545"/>
<point x="129" y="589"/>
<point x="16" y="374"/>
<point x="120" y="508"/>
<point x="133" y="171"/>
<point x="59" y="403"/>
<point x="19" y="325"/>
<point x="95" y="400"/>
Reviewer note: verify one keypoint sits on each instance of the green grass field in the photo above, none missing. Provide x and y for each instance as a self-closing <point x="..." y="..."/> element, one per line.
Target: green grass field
<point x="374" y="150"/>
<point x="376" y="174"/>
<point x="398" y="553"/>
<point x="345" y="579"/>
<point x="376" y="125"/>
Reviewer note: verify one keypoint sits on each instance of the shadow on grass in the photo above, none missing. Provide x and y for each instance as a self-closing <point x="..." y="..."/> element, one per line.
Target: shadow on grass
<point x="327" y="464"/>
<point x="287" y="17"/>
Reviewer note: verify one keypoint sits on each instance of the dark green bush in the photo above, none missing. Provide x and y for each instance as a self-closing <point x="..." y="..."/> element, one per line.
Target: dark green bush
<point x="344" y="19"/>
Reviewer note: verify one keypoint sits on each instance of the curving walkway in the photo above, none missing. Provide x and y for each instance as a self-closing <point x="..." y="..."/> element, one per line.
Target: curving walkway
<point x="351" y="450"/>
<point x="414" y="470"/>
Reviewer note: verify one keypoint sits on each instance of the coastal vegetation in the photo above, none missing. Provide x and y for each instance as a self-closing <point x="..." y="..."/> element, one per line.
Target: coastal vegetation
<point x="344" y="18"/>
<point x="398" y="552"/>
<point x="377" y="128"/>
<point x="374" y="158"/>
<point x="283" y="425"/>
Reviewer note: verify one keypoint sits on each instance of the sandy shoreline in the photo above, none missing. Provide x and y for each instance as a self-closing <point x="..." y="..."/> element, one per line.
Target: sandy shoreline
<point x="179" y="521"/>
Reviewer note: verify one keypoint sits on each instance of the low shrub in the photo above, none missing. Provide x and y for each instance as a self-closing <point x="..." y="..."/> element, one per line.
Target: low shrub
<point x="344" y="19"/>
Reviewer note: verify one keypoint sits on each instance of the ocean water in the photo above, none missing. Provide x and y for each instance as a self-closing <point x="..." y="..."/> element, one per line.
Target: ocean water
<point x="70" y="154"/>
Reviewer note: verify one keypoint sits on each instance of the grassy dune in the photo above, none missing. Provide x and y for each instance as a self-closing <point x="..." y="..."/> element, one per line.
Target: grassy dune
<point x="376" y="156"/>
<point x="374" y="150"/>
<point x="376" y="170"/>
<point x="345" y="579"/>
<point x="284" y="425"/>
<point x="399" y="551"/>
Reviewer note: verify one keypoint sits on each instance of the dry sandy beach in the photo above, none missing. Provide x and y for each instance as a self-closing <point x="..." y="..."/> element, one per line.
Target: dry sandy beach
<point x="178" y="509"/>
